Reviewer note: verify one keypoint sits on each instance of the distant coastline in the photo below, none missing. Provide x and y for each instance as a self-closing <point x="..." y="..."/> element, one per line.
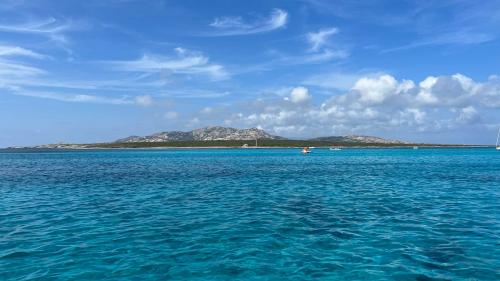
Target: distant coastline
<point x="226" y="137"/>
<point x="264" y="144"/>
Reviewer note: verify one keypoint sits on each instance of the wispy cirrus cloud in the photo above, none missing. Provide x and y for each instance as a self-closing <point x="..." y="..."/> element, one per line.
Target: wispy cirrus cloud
<point x="186" y="62"/>
<point x="317" y="53"/>
<point x="25" y="80"/>
<point x="8" y="50"/>
<point x="319" y="57"/>
<point x="11" y="70"/>
<point x="22" y="77"/>
<point x="193" y="93"/>
<point x="281" y="60"/>
<point x="230" y="26"/>
<point x="429" y="23"/>
<point x="49" y="27"/>
<point x="320" y="38"/>
<point x="452" y="38"/>
<point x="323" y="55"/>
<point x="77" y="98"/>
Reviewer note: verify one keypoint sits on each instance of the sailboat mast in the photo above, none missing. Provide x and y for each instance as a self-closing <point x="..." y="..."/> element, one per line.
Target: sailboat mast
<point x="498" y="135"/>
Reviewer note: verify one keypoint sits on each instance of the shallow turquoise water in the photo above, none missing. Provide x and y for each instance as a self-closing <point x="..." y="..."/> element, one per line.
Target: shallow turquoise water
<point x="235" y="214"/>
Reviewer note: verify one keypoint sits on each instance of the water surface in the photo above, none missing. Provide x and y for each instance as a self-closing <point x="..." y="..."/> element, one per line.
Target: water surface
<point x="236" y="214"/>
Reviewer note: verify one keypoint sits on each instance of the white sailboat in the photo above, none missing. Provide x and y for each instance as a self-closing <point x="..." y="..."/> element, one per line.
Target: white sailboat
<point x="498" y="136"/>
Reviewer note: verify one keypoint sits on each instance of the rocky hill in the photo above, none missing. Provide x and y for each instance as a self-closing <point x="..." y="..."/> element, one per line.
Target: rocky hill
<point x="204" y="134"/>
<point x="357" y="139"/>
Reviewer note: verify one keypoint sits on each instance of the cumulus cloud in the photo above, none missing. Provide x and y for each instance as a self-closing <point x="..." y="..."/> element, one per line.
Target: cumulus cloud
<point x="377" y="104"/>
<point x="299" y="95"/>
<point x="228" y="26"/>
<point x="468" y="115"/>
<point x="376" y="90"/>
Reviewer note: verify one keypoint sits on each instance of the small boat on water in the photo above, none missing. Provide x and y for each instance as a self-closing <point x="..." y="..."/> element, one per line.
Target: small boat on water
<point x="335" y="148"/>
<point x="306" y="150"/>
<point x="415" y="147"/>
<point x="498" y="136"/>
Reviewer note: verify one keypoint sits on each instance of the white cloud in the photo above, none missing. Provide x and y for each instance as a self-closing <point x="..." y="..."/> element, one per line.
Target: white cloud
<point x="6" y="51"/>
<point x="12" y="70"/>
<point x="431" y="22"/>
<point x="228" y="26"/>
<point x="24" y="80"/>
<point x="379" y="105"/>
<point x="300" y="95"/>
<point x="468" y="114"/>
<point x="49" y="27"/>
<point x="78" y="98"/>
<point x="312" y="58"/>
<point x="317" y="53"/>
<point x="14" y="73"/>
<point x="207" y="110"/>
<point x="455" y="90"/>
<point x="320" y="38"/>
<point x="326" y="55"/>
<point x="21" y="78"/>
<point x="186" y="62"/>
<point x="375" y="90"/>
<point x="490" y="92"/>
<point x="462" y="37"/>
<point x="145" y="100"/>
<point x="192" y="93"/>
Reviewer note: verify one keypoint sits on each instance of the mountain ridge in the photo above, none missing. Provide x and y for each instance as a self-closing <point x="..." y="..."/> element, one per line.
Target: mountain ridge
<point x="225" y="136"/>
<point x="209" y="133"/>
<point x="212" y="133"/>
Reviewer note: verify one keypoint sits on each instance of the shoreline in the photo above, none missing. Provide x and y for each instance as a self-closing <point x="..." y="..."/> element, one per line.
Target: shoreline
<point x="242" y="148"/>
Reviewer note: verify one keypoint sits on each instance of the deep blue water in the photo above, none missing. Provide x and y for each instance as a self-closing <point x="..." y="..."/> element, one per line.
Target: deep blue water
<point x="235" y="214"/>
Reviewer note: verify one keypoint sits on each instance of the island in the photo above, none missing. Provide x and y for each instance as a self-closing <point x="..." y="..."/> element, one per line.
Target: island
<point x="226" y="137"/>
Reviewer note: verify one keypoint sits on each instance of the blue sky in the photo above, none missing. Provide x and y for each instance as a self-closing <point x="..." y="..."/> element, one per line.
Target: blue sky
<point x="90" y="71"/>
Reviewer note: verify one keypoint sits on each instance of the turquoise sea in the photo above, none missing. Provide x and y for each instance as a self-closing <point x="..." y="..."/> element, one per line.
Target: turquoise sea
<point x="250" y="214"/>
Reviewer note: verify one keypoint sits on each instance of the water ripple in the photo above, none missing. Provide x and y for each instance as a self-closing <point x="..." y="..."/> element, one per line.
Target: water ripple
<point x="366" y="214"/>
